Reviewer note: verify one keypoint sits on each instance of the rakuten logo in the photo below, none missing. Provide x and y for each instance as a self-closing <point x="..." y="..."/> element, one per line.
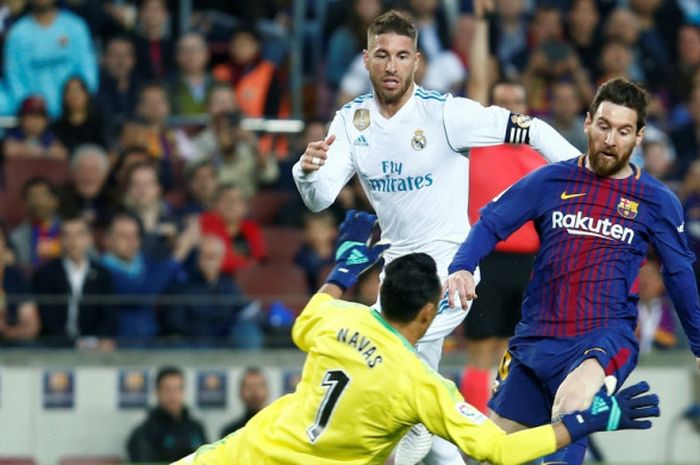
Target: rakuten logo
<point x="580" y="225"/>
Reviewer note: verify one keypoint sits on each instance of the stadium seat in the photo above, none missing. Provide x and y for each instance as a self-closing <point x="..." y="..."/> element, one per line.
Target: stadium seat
<point x="91" y="460"/>
<point x="274" y="281"/>
<point x="20" y="170"/>
<point x="265" y="205"/>
<point x="16" y="460"/>
<point x="282" y="243"/>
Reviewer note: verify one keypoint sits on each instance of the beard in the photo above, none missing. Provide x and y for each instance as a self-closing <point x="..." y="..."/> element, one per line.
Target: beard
<point x="390" y="96"/>
<point x="605" y="166"/>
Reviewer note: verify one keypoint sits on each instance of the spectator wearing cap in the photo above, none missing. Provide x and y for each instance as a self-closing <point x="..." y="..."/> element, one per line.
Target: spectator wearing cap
<point x="33" y="138"/>
<point x="36" y="239"/>
<point x="43" y="50"/>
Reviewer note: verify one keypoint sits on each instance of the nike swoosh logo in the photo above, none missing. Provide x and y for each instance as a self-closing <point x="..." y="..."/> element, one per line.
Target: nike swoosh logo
<point x="565" y="196"/>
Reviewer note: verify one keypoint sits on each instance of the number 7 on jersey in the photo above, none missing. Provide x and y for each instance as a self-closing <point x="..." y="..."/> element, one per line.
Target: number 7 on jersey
<point x="335" y="382"/>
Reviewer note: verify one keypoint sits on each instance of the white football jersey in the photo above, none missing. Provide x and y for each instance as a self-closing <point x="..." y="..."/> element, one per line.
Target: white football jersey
<point x="414" y="166"/>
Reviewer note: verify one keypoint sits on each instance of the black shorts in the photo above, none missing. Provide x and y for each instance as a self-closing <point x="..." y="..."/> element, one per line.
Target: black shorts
<point x="496" y="311"/>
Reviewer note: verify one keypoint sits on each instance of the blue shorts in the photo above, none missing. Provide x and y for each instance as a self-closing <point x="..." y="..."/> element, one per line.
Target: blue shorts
<point x="533" y="368"/>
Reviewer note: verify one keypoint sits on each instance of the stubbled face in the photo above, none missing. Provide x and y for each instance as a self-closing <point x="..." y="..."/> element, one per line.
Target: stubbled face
<point x="171" y="394"/>
<point x="391" y="60"/>
<point x="254" y="391"/>
<point x="612" y="135"/>
<point x="511" y="97"/>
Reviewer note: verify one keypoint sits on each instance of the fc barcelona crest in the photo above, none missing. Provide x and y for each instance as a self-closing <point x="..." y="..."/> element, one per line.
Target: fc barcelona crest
<point x="627" y="208"/>
<point x="418" y="142"/>
<point x="361" y="119"/>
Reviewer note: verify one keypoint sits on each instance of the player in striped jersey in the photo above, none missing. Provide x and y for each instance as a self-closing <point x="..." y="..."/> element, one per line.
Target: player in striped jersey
<point x="408" y="147"/>
<point x="363" y="386"/>
<point x="596" y="217"/>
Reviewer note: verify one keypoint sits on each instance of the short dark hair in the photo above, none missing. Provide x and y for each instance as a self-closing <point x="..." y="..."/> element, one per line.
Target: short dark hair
<point x="166" y="371"/>
<point x="128" y="216"/>
<point x="74" y="217"/>
<point x="505" y="82"/>
<point x="392" y="21"/>
<point x="39" y="181"/>
<point x="622" y="92"/>
<point x="411" y="282"/>
<point x="252" y="371"/>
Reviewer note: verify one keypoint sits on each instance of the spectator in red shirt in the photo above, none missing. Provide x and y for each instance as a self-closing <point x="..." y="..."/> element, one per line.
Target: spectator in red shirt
<point x="243" y="237"/>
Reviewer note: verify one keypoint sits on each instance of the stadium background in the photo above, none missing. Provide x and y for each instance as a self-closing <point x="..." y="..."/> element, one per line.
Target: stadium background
<point x="312" y="47"/>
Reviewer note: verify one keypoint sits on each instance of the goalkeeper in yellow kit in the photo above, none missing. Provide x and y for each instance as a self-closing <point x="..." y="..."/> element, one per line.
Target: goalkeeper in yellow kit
<point x="363" y="386"/>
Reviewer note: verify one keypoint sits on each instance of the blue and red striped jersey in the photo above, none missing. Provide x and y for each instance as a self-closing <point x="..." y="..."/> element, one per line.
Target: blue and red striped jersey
<point x="594" y="234"/>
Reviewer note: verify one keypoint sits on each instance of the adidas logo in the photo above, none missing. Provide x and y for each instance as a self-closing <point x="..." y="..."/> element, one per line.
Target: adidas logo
<point x="361" y="141"/>
<point x="599" y="406"/>
<point x="356" y="258"/>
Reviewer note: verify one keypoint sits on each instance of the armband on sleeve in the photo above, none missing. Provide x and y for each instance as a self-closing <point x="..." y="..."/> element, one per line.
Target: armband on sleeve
<point x="518" y="129"/>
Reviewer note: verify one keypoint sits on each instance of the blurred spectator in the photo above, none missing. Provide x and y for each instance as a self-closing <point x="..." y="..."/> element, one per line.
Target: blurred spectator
<point x="192" y="83"/>
<point x="33" y="138"/>
<point x="101" y="16"/>
<point x="687" y="65"/>
<point x="551" y="59"/>
<point x="143" y="198"/>
<point x="685" y="139"/>
<point x="81" y="122"/>
<point x="566" y="114"/>
<point x="66" y="320"/>
<point x="656" y="320"/>
<point x="509" y="33"/>
<point x="255" y="80"/>
<point x="221" y="100"/>
<point x="154" y="47"/>
<point x="86" y="192"/>
<point x="164" y="144"/>
<point x="10" y="12"/>
<point x="169" y="433"/>
<point x="237" y="158"/>
<point x="317" y="251"/>
<point x="210" y="307"/>
<point x="36" y="239"/>
<point x="314" y="129"/>
<point x="689" y="194"/>
<point x="348" y="40"/>
<point x="119" y="83"/>
<point x="19" y="317"/>
<point x="130" y="156"/>
<point x="650" y="58"/>
<point x="615" y="61"/>
<point x="583" y="24"/>
<point x="43" y="50"/>
<point x="254" y="393"/>
<point x="243" y="237"/>
<point x="201" y="188"/>
<point x="659" y="155"/>
<point x="433" y="29"/>
<point x="138" y="278"/>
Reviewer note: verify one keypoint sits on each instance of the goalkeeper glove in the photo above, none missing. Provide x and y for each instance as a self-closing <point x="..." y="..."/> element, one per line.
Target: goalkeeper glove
<point x="624" y="410"/>
<point x="353" y="256"/>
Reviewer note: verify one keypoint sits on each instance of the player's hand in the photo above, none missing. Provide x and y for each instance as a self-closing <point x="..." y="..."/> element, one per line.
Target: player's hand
<point x="353" y="256"/>
<point x="316" y="154"/>
<point x="628" y="409"/>
<point x="463" y="282"/>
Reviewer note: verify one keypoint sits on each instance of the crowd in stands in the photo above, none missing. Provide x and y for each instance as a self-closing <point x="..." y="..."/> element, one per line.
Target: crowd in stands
<point x="138" y="210"/>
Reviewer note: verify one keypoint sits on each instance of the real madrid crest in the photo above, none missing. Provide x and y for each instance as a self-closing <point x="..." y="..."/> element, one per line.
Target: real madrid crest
<point x="522" y="121"/>
<point x="627" y="208"/>
<point x="361" y="119"/>
<point x="418" y="142"/>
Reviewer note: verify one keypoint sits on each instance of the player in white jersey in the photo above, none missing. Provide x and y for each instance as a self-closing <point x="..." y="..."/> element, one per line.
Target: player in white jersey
<point x="409" y="147"/>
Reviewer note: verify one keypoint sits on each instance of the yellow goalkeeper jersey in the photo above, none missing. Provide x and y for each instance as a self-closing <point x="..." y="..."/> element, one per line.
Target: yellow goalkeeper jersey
<point x="362" y="387"/>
